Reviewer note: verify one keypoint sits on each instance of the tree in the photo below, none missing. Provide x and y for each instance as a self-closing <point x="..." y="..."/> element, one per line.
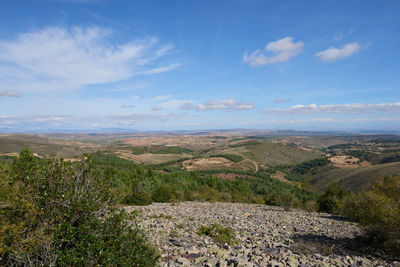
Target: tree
<point x="60" y="214"/>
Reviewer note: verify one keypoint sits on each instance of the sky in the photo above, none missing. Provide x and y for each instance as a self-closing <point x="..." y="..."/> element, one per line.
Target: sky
<point x="197" y="65"/>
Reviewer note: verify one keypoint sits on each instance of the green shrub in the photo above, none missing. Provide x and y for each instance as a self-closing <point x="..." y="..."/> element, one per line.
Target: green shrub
<point x="218" y="233"/>
<point x="330" y="201"/>
<point x="288" y="200"/>
<point x="164" y="193"/>
<point x="138" y="195"/>
<point x="59" y="214"/>
<point x="378" y="212"/>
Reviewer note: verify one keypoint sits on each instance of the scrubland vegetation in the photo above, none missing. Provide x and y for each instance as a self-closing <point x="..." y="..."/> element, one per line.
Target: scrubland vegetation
<point x="376" y="209"/>
<point x="55" y="212"/>
<point x="58" y="213"/>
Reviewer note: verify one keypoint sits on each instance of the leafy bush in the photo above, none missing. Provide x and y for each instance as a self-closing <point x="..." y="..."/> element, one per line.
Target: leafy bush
<point x="138" y="196"/>
<point x="378" y="211"/>
<point x="330" y="201"/>
<point x="59" y="214"/>
<point x="218" y="233"/>
<point x="164" y="193"/>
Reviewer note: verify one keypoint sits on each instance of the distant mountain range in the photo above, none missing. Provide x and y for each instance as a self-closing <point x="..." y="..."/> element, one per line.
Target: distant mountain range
<point x="199" y="132"/>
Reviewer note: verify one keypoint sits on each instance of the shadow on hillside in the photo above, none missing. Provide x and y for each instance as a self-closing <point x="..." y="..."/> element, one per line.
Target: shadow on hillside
<point x="310" y="244"/>
<point x="337" y="218"/>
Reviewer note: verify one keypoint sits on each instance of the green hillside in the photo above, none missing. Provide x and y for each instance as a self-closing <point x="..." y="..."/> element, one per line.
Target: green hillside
<point x="274" y="154"/>
<point x="355" y="179"/>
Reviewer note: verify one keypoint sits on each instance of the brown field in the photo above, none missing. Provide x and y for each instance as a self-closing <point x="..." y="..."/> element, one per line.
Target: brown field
<point x="191" y="142"/>
<point x="149" y="158"/>
<point x="207" y="163"/>
<point x="345" y="162"/>
<point x="218" y="163"/>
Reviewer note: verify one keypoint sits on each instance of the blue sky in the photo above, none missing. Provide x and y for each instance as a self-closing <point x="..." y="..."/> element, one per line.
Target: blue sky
<point x="187" y="65"/>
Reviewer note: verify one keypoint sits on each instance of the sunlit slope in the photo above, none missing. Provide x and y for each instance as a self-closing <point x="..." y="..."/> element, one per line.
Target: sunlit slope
<point x="356" y="179"/>
<point x="13" y="143"/>
<point x="273" y="154"/>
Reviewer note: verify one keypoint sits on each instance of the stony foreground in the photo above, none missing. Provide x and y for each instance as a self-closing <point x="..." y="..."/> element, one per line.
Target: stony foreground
<point x="267" y="236"/>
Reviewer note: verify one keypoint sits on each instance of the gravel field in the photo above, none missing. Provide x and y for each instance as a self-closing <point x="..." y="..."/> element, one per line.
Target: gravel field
<point x="265" y="236"/>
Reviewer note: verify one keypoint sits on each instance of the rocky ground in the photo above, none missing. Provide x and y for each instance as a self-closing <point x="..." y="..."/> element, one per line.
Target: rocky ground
<point x="265" y="236"/>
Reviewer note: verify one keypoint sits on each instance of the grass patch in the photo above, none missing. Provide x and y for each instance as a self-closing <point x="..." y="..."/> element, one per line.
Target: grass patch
<point x="218" y="233"/>
<point x="161" y="216"/>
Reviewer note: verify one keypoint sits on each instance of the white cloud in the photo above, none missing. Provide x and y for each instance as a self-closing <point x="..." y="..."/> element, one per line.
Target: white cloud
<point x="229" y="104"/>
<point x="279" y="51"/>
<point x="57" y="58"/>
<point x="9" y="93"/>
<point x="172" y="104"/>
<point x="161" y="69"/>
<point x="337" y="108"/>
<point x="333" y="54"/>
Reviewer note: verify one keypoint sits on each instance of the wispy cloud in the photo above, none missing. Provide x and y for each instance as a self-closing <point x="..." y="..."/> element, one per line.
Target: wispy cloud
<point x="127" y="106"/>
<point x="337" y="108"/>
<point x="129" y="120"/>
<point x="9" y="93"/>
<point x="333" y="54"/>
<point x="161" y="69"/>
<point x="229" y="104"/>
<point x="274" y="52"/>
<point x="57" y="58"/>
<point x="162" y="97"/>
<point x="334" y="120"/>
<point x="282" y="100"/>
<point x="156" y="108"/>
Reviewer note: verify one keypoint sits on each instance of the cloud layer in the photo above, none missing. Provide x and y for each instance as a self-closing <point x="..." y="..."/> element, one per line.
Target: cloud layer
<point x="58" y="58"/>
<point x="9" y="93"/>
<point x="337" y="108"/>
<point x="333" y="54"/>
<point x="129" y="120"/>
<point x="274" y="52"/>
<point x="227" y="104"/>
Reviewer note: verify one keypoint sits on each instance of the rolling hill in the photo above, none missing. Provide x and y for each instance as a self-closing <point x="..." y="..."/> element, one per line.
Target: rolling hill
<point x="272" y="154"/>
<point x="355" y="179"/>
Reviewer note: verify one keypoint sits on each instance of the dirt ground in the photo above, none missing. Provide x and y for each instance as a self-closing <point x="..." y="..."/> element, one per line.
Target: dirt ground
<point x="345" y="162"/>
<point x="149" y="158"/>
<point x="16" y="154"/>
<point x="207" y="163"/>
